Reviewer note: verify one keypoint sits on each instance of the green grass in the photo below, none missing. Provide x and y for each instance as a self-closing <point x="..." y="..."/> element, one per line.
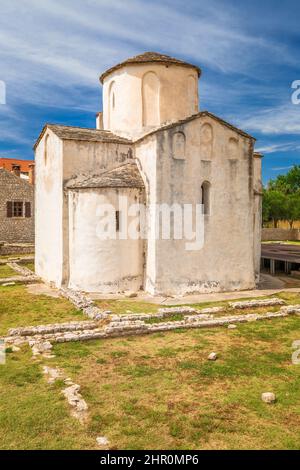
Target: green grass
<point x="283" y="242"/>
<point x="138" y="385"/>
<point x="154" y="391"/>
<point x="121" y="307"/>
<point x="29" y="266"/>
<point x="17" y="255"/>
<point x="20" y="308"/>
<point x="6" y="271"/>
<point x="33" y="414"/>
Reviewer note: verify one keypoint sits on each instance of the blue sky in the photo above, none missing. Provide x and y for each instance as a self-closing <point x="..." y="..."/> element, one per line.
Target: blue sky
<point x="53" y="51"/>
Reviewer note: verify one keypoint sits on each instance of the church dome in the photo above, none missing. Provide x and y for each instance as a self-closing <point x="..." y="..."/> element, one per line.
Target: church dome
<point x="149" y="58"/>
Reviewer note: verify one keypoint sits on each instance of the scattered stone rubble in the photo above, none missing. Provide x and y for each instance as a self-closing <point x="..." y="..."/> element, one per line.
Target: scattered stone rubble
<point x="82" y="302"/>
<point x="41" y="348"/>
<point x="40" y="337"/>
<point x="104" y="324"/>
<point x="256" y="303"/>
<point x="26" y="275"/>
<point x="212" y="356"/>
<point x="52" y="328"/>
<point x="18" y="280"/>
<point x="53" y="374"/>
<point x="291" y="309"/>
<point x="75" y="399"/>
<point x="268" y="397"/>
<point x="71" y="392"/>
<point x="102" y="441"/>
<point x="20" y="269"/>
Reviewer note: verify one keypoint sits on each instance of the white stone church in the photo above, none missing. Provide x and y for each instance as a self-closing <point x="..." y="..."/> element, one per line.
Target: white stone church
<point x="151" y="146"/>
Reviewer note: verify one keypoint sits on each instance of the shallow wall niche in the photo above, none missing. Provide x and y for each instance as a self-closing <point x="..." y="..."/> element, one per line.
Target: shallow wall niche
<point x="111" y="103"/>
<point x="205" y="197"/>
<point x="46" y="149"/>
<point x="150" y="96"/>
<point x="206" y="141"/>
<point x="178" y="146"/>
<point x="233" y="148"/>
<point x="192" y="95"/>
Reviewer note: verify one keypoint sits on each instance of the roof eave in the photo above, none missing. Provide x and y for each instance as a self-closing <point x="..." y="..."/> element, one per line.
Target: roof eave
<point x="108" y="72"/>
<point x="191" y="118"/>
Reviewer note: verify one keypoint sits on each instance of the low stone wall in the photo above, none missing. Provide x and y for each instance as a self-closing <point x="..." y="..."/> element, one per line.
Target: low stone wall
<point x="278" y="234"/>
<point x="16" y="249"/>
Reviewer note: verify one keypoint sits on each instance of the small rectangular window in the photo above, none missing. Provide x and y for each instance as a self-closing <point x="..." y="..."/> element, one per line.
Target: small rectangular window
<point x="117" y="221"/>
<point x="18" y="208"/>
<point x="14" y="209"/>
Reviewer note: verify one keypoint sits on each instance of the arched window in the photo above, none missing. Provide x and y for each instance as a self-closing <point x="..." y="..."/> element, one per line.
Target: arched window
<point x="111" y="102"/>
<point x="150" y="96"/>
<point x="46" y="149"/>
<point x="205" y="197"/>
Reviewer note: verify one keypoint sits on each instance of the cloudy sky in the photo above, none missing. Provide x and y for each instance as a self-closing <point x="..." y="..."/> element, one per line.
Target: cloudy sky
<point x="53" y="51"/>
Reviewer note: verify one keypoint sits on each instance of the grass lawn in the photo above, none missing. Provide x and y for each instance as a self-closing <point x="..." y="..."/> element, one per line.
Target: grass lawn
<point x="122" y="307"/>
<point x="286" y="242"/>
<point x="160" y="392"/>
<point x="29" y="266"/>
<point x="17" y="255"/>
<point x="20" y="308"/>
<point x="6" y="271"/>
<point x="154" y="391"/>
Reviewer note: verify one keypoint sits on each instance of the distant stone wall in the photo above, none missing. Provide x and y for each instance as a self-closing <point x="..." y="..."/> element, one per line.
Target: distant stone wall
<point x="283" y="224"/>
<point x="15" y="249"/>
<point x="278" y="234"/>
<point x="16" y="229"/>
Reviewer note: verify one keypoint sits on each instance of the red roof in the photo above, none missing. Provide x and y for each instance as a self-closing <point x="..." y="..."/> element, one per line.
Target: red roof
<point x="7" y="163"/>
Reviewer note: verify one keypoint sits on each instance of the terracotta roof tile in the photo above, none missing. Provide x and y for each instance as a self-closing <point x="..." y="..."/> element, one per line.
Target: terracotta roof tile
<point x="7" y="163"/>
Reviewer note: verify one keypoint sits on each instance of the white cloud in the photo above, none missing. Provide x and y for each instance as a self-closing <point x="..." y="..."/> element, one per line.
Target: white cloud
<point x="283" y="119"/>
<point x="53" y="51"/>
<point x="273" y="148"/>
<point x="282" y="168"/>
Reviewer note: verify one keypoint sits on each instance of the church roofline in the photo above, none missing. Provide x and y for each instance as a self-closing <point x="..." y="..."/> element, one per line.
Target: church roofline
<point x="20" y="180"/>
<point x="81" y="134"/>
<point x="96" y="135"/>
<point x="149" y="58"/>
<point x="191" y="118"/>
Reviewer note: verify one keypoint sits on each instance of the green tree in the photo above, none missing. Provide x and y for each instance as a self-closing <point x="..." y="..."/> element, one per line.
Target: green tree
<point x="274" y="206"/>
<point x="289" y="183"/>
<point x="293" y="208"/>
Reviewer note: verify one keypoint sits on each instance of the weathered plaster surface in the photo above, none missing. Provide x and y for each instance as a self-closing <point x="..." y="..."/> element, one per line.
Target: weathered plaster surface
<point x="97" y="264"/>
<point x="175" y="163"/>
<point x="178" y="97"/>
